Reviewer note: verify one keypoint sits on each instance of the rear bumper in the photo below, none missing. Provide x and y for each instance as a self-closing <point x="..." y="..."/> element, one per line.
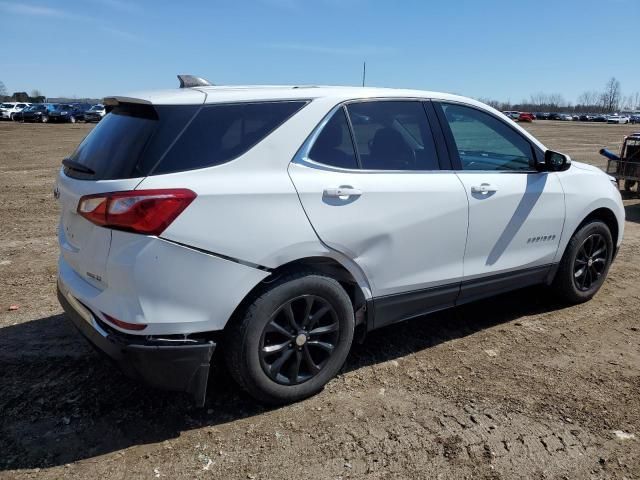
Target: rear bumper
<point x="164" y="364"/>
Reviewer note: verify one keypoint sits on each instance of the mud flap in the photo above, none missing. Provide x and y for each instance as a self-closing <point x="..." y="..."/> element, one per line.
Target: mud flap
<point x="182" y="368"/>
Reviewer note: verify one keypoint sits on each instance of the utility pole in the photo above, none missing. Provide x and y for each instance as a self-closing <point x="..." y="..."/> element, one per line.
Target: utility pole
<point x="364" y="72"/>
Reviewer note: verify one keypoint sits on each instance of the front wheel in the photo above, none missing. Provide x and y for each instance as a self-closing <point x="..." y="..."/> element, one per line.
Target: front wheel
<point x="585" y="263"/>
<point x="291" y="339"/>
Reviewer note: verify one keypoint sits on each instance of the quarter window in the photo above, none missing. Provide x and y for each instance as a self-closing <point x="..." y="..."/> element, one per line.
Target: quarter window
<point x="334" y="146"/>
<point x="486" y="143"/>
<point x="220" y="133"/>
<point x="393" y="135"/>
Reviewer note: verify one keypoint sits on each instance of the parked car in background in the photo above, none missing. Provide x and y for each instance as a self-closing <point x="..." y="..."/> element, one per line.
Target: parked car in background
<point x="18" y="116"/>
<point x="618" y="119"/>
<point x="37" y="113"/>
<point x="575" y="118"/>
<point x="173" y="245"/>
<point x="95" y="113"/>
<point x="542" y="115"/>
<point x="70" y="113"/>
<point x="586" y="117"/>
<point x="526" y="117"/>
<point x="600" y="118"/>
<point x="635" y="118"/>
<point x="9" y="109"/>
<point x="512" y="114"/>
<point x="565" y="117"/>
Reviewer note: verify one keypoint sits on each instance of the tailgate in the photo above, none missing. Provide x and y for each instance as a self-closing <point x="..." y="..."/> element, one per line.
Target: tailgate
<point x="83" y="245"/>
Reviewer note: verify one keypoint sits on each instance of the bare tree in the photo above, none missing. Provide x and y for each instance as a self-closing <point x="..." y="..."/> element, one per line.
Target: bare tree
<point x="588" y="98"/>
<point x="556" y="100"/>
<point x="611" y="95"/>
<point x="3" y="89"/>
<point x="36" y="93"/>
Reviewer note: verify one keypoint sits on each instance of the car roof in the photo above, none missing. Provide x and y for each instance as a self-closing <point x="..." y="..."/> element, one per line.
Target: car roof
<point x="245" y="93"/>
<point x="257" y="93"/>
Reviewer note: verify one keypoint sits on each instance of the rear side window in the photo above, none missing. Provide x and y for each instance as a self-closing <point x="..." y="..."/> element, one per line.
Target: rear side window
<point x="220" y="133"/>
<point x="139" y="140"/>
<point x="334" y="145"/>
<point x="393" y="135"/>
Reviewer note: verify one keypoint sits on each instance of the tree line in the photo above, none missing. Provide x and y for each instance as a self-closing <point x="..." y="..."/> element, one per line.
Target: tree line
<point x="34" y="97"/>
<point x="609" y="100"/>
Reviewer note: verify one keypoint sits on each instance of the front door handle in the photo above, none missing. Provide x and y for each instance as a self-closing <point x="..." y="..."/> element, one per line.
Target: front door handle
<point x="483" y="189"/>
<point x="342" y="192"/>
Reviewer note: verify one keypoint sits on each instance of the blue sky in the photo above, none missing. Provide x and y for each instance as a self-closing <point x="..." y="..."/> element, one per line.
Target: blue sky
<point x="502" y="49"/>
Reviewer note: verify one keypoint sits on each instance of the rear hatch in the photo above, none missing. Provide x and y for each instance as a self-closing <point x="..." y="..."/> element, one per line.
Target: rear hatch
<point x="116" y="156"/>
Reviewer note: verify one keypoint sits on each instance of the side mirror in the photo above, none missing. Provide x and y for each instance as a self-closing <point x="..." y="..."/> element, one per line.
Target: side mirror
<point x="554" y="162"/>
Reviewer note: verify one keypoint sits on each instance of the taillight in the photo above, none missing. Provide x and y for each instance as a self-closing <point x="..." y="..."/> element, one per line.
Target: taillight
<point x="124" y="325"/>
<point x="148" y="212"/>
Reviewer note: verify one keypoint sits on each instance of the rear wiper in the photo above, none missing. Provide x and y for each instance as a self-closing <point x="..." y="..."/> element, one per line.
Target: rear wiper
<point x="78" y="167"/>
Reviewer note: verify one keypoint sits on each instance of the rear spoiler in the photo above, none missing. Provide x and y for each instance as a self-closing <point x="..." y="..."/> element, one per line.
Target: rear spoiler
<point x="134" y="106"/>
<point x="114" y="101"/>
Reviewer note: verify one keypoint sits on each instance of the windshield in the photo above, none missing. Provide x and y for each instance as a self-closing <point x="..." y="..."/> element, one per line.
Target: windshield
<point x="6" y="105"/>
<point x="96" y="108"/>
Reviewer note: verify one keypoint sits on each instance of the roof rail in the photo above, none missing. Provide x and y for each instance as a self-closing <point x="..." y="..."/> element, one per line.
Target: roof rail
<point x="188" y="81"/>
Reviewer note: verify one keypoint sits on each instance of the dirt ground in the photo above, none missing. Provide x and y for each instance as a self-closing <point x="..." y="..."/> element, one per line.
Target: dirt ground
<point x="514" y="387"/>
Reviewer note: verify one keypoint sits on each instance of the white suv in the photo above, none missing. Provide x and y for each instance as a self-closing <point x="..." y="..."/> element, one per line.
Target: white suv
<point x="9" y="109"/>
<point x="278" y="223"/>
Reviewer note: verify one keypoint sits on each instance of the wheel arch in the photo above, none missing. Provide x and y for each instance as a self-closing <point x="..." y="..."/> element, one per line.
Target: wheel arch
<point x="352" y="279"/>
<point x="602" y="213"/>
<point x="606" y="216"/>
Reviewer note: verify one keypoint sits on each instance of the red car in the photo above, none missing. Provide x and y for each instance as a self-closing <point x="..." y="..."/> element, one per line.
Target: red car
<point x="526" y="117"/>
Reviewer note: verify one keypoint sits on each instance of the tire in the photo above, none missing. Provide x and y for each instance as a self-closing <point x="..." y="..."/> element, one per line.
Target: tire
<point x="13" y="117"/>
<point x="72" y="119"/>
<point x="264" y="325"/>
<point x="574" y="282"/>
<point x="44" y="119"/>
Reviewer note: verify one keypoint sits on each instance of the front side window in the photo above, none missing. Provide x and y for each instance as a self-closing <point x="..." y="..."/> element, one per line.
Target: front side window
<point x="393" y="135"/>
<point x="334" y="145"/>
<point x="484" y="142"/>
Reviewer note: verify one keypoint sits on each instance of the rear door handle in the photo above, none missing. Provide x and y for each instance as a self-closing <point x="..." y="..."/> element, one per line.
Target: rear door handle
<point x="483" y="188"/>
<point x="342" y="192"/>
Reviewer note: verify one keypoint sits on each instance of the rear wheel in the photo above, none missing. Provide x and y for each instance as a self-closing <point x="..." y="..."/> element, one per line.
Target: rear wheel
<point x="44" y="119"/>
<point x="292" y="339"/>
<point x="585" y="263"/>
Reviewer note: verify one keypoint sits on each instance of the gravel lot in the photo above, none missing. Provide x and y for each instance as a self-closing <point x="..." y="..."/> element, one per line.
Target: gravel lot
<point x="513" y="387"/>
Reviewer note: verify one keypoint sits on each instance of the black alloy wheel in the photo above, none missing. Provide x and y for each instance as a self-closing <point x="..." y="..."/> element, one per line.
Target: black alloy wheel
<point x="299" y="339"/>
<point x="590" y="262"/>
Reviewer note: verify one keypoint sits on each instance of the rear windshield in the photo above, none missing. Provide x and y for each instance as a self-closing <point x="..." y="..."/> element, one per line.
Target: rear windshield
<point x="140" y="140"/>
